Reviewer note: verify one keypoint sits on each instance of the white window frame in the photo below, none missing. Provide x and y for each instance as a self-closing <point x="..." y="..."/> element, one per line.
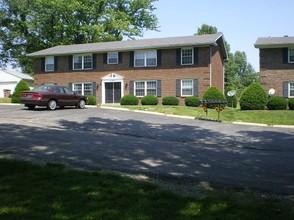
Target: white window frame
<point x="145" y="55"/>
<point x="49" y="64"/>
<point x="83" y="56"/>
<point x="145" y="87"/>
<point x="290" y="88"/>
<point x="83" y="89"/>
<point x="291" y="55"/>
<point x="109" y="57"/>
<point x="187" y="87"/>
<point x="182" y="56"/>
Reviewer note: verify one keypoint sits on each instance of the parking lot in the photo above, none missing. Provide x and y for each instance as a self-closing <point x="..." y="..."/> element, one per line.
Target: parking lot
<point x="217" y="154"/>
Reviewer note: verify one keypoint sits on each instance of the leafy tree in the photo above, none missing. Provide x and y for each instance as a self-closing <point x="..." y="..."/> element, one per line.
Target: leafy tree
<point x="28" y="26"/>
<point x="20" y="87"/>
<point x="238" y="72"/>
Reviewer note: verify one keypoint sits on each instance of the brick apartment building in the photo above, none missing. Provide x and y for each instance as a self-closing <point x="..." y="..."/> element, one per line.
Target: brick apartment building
<point x="276" y="57"/>
<point x="175" y="66"/>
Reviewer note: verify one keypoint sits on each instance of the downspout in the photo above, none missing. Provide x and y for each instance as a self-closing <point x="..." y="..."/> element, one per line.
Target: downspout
<point x="210" y="66"/>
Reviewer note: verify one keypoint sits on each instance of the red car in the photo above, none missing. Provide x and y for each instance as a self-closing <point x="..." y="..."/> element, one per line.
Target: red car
<point x="52" y="96"/>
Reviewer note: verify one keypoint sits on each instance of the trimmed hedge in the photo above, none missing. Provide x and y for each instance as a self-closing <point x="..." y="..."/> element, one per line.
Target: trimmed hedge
<point x="291" y="104"/>
<point x="277" y="103"/>
<point x="170" y="100"/>
<point x="149" y="100"/>
<point x="213" y="93"/>
<point x="20" y="87"/>
<point x="254" y="97"/>
<point x="91" y="100"/>
<point x="192" y="101"/>
<point x="129" y="100"/>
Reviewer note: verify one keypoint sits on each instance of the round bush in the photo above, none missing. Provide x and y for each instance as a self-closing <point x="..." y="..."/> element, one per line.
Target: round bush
<point x="20" y="87"/>
<point x="170" y="100"/>
<point x="277" y="103"/>
<point x="149" y="100"/>
<point x="291" y="104"/>
<point x="213" y="93"/>
<point x="129" y="100"/>
<point x="192" y="101"/>
<point x="91" y="100"/>
<point x="254" y="97"/>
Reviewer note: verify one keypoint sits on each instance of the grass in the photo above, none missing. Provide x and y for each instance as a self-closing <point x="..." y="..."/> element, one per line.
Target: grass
<point x="5" y="100"/>
<point x="278" y="117"/>
<point x="30" y="191"/>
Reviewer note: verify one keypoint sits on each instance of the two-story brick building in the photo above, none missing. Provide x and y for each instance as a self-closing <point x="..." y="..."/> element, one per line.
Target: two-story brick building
<point x="176" y="66"/>
<point x="276" y="57"/>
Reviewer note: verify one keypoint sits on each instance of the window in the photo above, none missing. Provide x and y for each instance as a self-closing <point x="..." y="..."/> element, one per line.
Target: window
<point x="82" y="62"/>
<point x="186" y="87"/>
<point x="49" y="64"/>
<point x="187" y="57"/>
<point x="83" y="88"/>
<point x="145" y="58"/>
<point x="291" y="89"/>
<point x="291" y="55"/>
<point x="143" y="88"/>
<point x="112" y="58"/>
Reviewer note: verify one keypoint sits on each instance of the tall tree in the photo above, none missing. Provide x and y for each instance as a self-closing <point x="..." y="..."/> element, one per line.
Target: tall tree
<point x="238" y="72"/>
<point x="30" y="25"/>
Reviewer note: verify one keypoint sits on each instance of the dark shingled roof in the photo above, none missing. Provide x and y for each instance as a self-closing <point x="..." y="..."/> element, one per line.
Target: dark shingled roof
<point x="127" y="45"/>
<point x="274" y="42"/>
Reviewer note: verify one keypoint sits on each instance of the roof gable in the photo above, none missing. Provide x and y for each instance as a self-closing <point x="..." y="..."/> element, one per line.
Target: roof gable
<point x="16" y="74"/>
<point x="196" y="40"/>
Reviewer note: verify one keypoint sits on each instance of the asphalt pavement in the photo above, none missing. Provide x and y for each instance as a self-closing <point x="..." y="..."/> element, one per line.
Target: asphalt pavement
<point x="202" y="152"/>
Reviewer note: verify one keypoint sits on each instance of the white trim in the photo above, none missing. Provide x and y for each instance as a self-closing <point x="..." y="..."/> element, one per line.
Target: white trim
<point x="289" y="96"/>
<point x="83" y="61"/>
<point x="114" y="53"/>
<point x="49" y="60"/>
<point x="145" y="52"/>
<point x="290" y="61"/>
<point x="112" y="77"/>
<point x="145" y="87"/>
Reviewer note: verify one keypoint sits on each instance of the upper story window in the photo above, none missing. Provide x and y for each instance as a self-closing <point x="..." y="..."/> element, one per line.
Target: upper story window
<point x="112" y="58"/>
<point x="145" y="58"/>
<point x="187" y="56"/>
<point x="81" y="62"/>
<point x="291" y="55"/>
<point x="49" y="63"/>
<point x="186" y="87"/>
<point x="143" y="88"/>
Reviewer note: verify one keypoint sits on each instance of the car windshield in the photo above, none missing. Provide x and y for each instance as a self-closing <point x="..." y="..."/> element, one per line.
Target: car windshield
<point x="42" y="88"/>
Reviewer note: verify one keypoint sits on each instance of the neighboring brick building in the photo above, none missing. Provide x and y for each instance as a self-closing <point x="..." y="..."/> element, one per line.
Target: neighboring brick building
<point x="276" y="57"/>
<point x="176" y="66"/>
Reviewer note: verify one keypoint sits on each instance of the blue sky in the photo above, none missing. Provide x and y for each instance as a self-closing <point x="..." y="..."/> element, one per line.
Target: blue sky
<point x="241" y="21"/>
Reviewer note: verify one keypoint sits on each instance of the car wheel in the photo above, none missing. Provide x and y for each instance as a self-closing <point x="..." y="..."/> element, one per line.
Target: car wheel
<point x="82" y="104"/>
<point x="52" y="104"/>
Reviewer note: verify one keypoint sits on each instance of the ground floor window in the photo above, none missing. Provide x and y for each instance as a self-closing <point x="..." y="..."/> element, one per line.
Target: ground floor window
<point x="291" y="89"/>
<point x="187" y="87"/>
<point x="143" y="88"/>
<point x="83" y="88"/>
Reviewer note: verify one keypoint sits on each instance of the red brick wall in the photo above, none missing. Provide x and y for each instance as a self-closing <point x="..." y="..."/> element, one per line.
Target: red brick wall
<point x="167" y="72"/>
<point x="274" y="71"/>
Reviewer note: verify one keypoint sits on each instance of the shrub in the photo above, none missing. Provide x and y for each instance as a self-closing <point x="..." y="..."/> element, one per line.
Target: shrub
<point x="20" y="87"/>
<point x="129" y="100"/>
<point x="291" y="104"/>
<point x="232" y="100"/>
<point x="213" y="93"/>
<point x="277" y="103"/>
<point x="192" y="101"/>
<point x="91" y="100"/>
<point x="170" y="100"/>
<point x="149" y="100"/>
<point x="254" y="97"/>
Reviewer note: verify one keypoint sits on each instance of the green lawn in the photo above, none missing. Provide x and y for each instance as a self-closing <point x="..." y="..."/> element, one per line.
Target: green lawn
<point x="278" y="117"/>
<point x="30" y="191"/>
<point x="5" y="100"/>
